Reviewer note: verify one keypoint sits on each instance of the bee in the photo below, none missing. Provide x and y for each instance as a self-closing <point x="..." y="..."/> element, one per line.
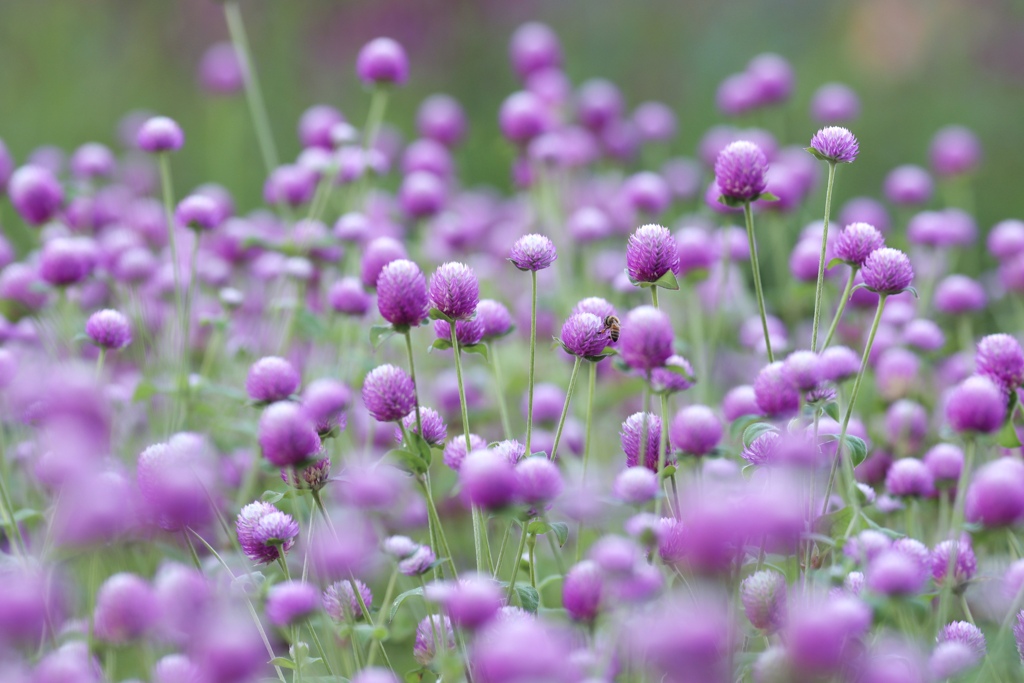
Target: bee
<point x="611" y="326"/>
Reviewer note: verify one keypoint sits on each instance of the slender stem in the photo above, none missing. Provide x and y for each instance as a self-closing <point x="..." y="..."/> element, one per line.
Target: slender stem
<point x="531" y="542"/>
<point x="13" y="530"/>
<point x="565" y="407"/>
<point x="956" y="524"/>
<point x="654" y="296"/>
<point x="842" y="307"/>
<point x="366" y="616"/>
<point x="847" y="465"/>
<point x="478" y="545"/>
<point x="699" y="346"/>
<point x="556" y="552"/>
<point x="412" y="375"/>
<point x="375" y="115"/>
<point x="533" y="360"/>
<point x="748" y="216"/>
<point x="179" y="305"/>
<point x="499" y="387"/>
<point x="662" y="449"/>
<point x="501" y="550"/>
<point x="438" y="529"/>
<point x="186" y="324"/>
<point x="283" y="564"/>
<point x="253" y="93"/>
<point x="641" y="456"/>
<point x="192" y="550"/>
<point x="462" y="388"/>
<point x="516" y="560"/>
<point x="320" y="649"/>
<point x="821" y="260"/>
<point x="586" y="450"/>
<point x="99" y="362"/>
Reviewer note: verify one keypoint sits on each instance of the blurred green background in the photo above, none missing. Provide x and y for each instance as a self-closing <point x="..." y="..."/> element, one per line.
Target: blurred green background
<point x="71" y="69"/>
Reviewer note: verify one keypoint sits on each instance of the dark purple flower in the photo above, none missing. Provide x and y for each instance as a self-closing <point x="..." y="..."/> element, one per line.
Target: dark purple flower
<point x="775" y="394"/>
<point x="996" y="494"/>
<point x="954" y="150"/>
<point x="1000" y="357"/>
<point x="382" y="60"/>
<point x="977" y="404"/>
<point x="495" y="318"/>
<point x="454" y="291"/>
<point x="434" y="429"/>
<point x="650" y="253"/>
<point x="764" y="600"/>
<point x="388" y="393"/>
<point x="835" y="144"/>
<point x="339" y="600"/>
<point x="487" y="479"/>
<point x="35" y="193"/>
<point x="440" y="117"/>
<point x="287" y="435"/>
<point x="291" y="602"/>
<point x="109" y="329"/>
<point x="584" y="335"/>
<point x="160" y="134"/>
<point x="857" y="241"/>
<point x="910" y="477"/>
<point x="740" y="171"/>
<point x="632" y="434"/>
<point x="532" y="253"/>
<point x="887" y="271"/>
<point x="264" y="532"/>
<point x="834" y="103"/>
<point x="402" y="294"/>
<point x="645" y="341"/>
<point x="126" y="608"/>
<point x="582" y="591"/>
<point x="67" y="260"/>
<point x="271" y="379"/>
<point x="695" y="430"/>
<point x="313" y="477"/>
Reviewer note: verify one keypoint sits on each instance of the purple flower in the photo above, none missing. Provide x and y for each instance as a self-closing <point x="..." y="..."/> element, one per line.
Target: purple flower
<point x="764" y="600"/>
<point x="636" y="485"/>
<point x="632" y="434"/>
<point x="35" y="193"/>
<point x="835" y="144"/>
<point x="667" y="380"/>
<point x="471" y="602"/>
<point x="966" y="633"/>
<point x="522" y="117"/>
<point x="582" y="591"/>
<point x="887" y="271"/>
<point x="325" y="401"/>
<point x="434" y="629"/>
<point x="996" y="494"/>
<point x="291" y="602"/>
<point x="378" y="254"/>
<point x="67" y="260"/>
<point x="339" y="600"/>
<point x="264" y="532"/>
<point x="951" y="658"/>
<point x="313" y="477"/>
<point x="455" y="451"/>
<point x="175" y="669"/>
<point x="199" y="212"/>
<point x="647" y="193"/>
<point x="290" y="184"/>
<point x="388" y="393"/>
<point x="834" y="102"/>
<point x="645" y="341"/>
<point x="454" y="291"/>
<point x="762" y="450"/>
<point x="964" y="562"/>
<point x="896" y="573"/>
<point x="584" y="335"/>
<point x="976" y="405"/>
<point x="910" y="477"/>
<point x="126" y="608"/>
<point x="999" y="356"/>
<point x="434" y="429"/>
<point x="271" y="379"/>
<point x="402" y="294"/>
<point x="440" y="117"/>
<point x="945" y="461"/>
<point x="908" y="185"/>
<point x="160" y="134"/>
<point x="287" y="435"/>
<point x="776" y="396"/>
<point x="220" y="71"/>
<point x="957" y="294"/>
<point x="650" y="253"/>
<point x="534" y="47"/>
<point x="695" y="430"/>
<point x="487" y="480"/>
<point x="173" y="479"/>
<point x="857" y="241"/>
<point x="803" y="370"/>
<point x="596" y="305"/>
<point x="382" y="60"/>
<point x="954" y="150"/>
<point x="510" y="449"/>
<point x="418" y="563"/>
<point x="1018" y="634"/>
<point x="495" y="318"/>
<point x="109" y="329"/>
<point x="740" y="171"/>
<point x="538" y="481"/>
<point x="532" y="253"/>
<point x="839" y="363"/>
<point x="740" y="401"/>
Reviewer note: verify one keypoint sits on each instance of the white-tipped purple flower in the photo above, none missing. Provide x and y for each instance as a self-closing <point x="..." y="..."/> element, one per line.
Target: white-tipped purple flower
<point x="160" y="134"/>
<point x="856" y="242"/>
<point x="264" y="532"/>
<point x="454" y="291"/>
<point x="532" y="253"/>
<point x="388" y="393"/>
<point x="651" y="253"/>
<point x="402" y="294"/>
<point x="419" y="563"/>
<point x="740" y="171"/>
<point x="632" y="434"/>
<point x="455" y="452"/>
<point x="887" y="271"/>
<point x="834" y="144"/>
<point x="434" y="429"/>
<point x="1000" y="357"/>
<point x="271" y="379"/>
<point x="645" y="341"/>
<point x="764" y="600"/>
<point x="109" y="329"/>
<point x="341" y="603"/>
<point x="636" y="485"/>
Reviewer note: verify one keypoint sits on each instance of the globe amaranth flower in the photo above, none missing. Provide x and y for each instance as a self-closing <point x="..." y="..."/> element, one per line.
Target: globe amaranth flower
<point x="764" y="600"/>
<point x="650" y="253"/>
<point x="857" y="241"/>
<point x="264" y="532"/>
<point x="495" y="318"/>
<point x="954" y="150"/>
<point x="666" y="380"/>
<point x="740" y="171"/>
<point x="635" y="485"/>
<point x="340" y="602"/>
<point x="834" y="102"/>
<point x="287" y="435"/>
<point x="270" y="379"/>
<point x="454" y="291"/>
<point x="695" y="430"/>
<point x="803" y="369"/>
<point x="382" y="60"/>
<point x="951" y="658"/>
<point x="488" y="480"/>
<point x="894" y="572"/>
<point x="978" y="404"/>
<point x="596" y="305"/>
<point x="775" y="394"/>
<point x="632" y="434"/>
<point x="511" y="450"/>
<point x="441" y="118"/>
<point x="419" y="563"/>
<point x="584" y="335"/>
<point x="538" y="481"/>
<point x="834" y="144"/>
<point x="291" y="602"/>
<point x="532" y="253"/>
<point x="839" y="363"/>
<point x="468" y="332"/>
<point x="109" y="329"/>
<point x="966" y="633"/>
<point x="126" y="608"/>
<point x="645" y="340"/>
<point x="887" y="271"/>
<point x="434" y="429"/>
<point x="402" y="294"/>
<point x="960" y="555"/>
<point x="995" y="496"/>
<point x="762" y="450"/>
<point x="160" y="134"/>
<point x="377" y="254"/>
<point x="313" y="477"/>
<point x="199" y="212"/>
<point x="325" y="401"/>
<point x="1000" y="357"/>
<point x="388" y="393"/>
<point x="582" y="591"/>
<point x="910" y="477"/>
<point x="36" y="194"/>
<point x="433" y="630"/>
<point x="455" y="451"/>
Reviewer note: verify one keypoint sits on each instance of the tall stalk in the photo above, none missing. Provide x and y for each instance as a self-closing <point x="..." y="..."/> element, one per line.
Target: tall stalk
<point x="749" y="220"/>
<point x="565" y="407"/>
<point x="533" y="361"/>
<point x="821" y="259"/>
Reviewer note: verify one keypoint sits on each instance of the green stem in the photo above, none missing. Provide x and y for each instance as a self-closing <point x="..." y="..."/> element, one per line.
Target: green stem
<point x="955" y="531"/>
<point x="192" y="550"/>
<point x="99" y="362"/>
<point x="533" y="360"/>
<point x="662" y="450"/>
<point x="366" y="616"/>
<point x="565" y="407"/>
<point x="499" y="387"/>
<point x="654" y="296"/>
<point x="412" y="375"/>
<point x="13" y="530"/>
<point x="375" y="115"/>
<point x="821" y="260"/>
<point x="842" y="307"/>
<point x="501" y="550"/>
<point x="748" y="216"/>
<point x="847" y="465"/>
<point x="586" y="450"/>
<point x="531" y="542"/>
<point x="253" y="93"/>
<point x="320" y="649"/>
<point x="516" y="560"/>
<point x="179" y="305"/>
<point x="462" y="389"/>
<point x="435" y="519"/>
<point x="699" y="347"/>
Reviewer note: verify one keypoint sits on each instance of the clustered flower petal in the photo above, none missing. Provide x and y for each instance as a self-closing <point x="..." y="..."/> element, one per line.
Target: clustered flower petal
<point x="584" y="335"/>
<point x="887" y="271"/>
<point x="650" y="253"/>
<point x="835" y="144"/>
<point x="402" y="294"/>
<point x="857" y="241"/>
<point x="388" y="393"/>
<point x="741" y="171"/>
<point x="264" y="532"/>
<point x="454" y="290"/>
<point x="532" y="253"/>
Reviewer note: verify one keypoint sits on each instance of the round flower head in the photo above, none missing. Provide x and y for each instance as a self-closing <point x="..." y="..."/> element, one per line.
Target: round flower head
<point x="67" y="260"/>
<point x="199" y="212"/>
<point x="455" y="451"/>
<point x="419" y="563"/>
<point x="650" y="253"/>
<point x="468" y="332"/>
<point x="764" y="600"/>
<point x="378" y="254"/>
<point x="894" y="572"/>
<point x="924" y="334"/>
<point x="951" y="658"/>
<point x="35" y="193"/>
<point x="454" y="291"/>
<point x="339" y="600"/>
<point x="834" y="102"/>
<point x="964" y="561"/>
<point x="632" y="434"/>
<point x="538" y="481"/>
<point x="908" y="185"/>
<point x="776" y="396"/>
<point x="422" y="194"/>
<point x="645" y="340"/>
<point x="635" y="485"/>
<point x="271" y="379"/>
<point x="434" y="429"/>
<point x="966" y="633"/>
<point x="695" y="430"/>
<point x="287" y="435"/>
<point x="534" y="47"/>
<point x="582" y="590"/>
<point x="388" y="393"/>
<point x="910" y="477"/>
<point x="887" y="271"/>
<point x="495" y="318"/>
<point x="291" y="602"/>
<point x="382" y="60"/>
<point x="857" y="241"/>
<point x="834" y="144"/>
<point x="433" y="630"/>
<point x="402" y="294"/>
<point x="996" y="495"/>
<point x="655" y="121"/>
<point x="264" y="532"/>
<point x="957" y="294"/>
<point x="977" y="405"/>
<point x="160" y="134"/>
<point x="1000" y="357"/>
<point x="666" y="380"/>
<point x="647" y="193"/>
<point x="126" y="608"/>
<point x="532" y="253"/>
<point x="584" y="335"/>
<point x="511" y="450"/>
<point x="740" y="401"/>
<point x="488" y="480"/>
<point x="954" y="150"/>
<point x="325" y="401"/>
<point x="290" y="184"/>
<point x="315" y="126"/>
<point x="762" y="450"/>
<point x="839" y="363"/>
<point x="175" y="669"/>
<point x="740" y="171"/>
<point x="803" y="369"/>
<point x="523" y="116"/>
<point x="1006" y="239"/>
<point x="313" y="477"/>
<point x="109" y="329"/>
<point x="92" y="160"/>
<point x="220" y="71"/>
<point x="945" y="461"/>
<point x="596" y="305"/>
<point x="441" y="118"/>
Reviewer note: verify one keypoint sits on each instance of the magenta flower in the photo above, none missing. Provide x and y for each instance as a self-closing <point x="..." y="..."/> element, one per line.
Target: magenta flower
<point x="434" y="629"/>
<point x="632" y="434"/>
<point x="1000" y="357"/>
<point x="35" y="193"/>
<point x="160" y="134"/>
<point x="740" y="171"/>
<point x="978" y="404"/>
<point x="645" y="342"/>
<point x="582" y="591"/>
<point x="287" y="435"/>
<point x="382" y="60"/>
<point x="454" y="291"/>
<point x="126" y="608"/>
<point x="402" y="294"/>
<point x="834" y="144"/>
<point x="339" y="600"/>
<point x="887" y="271"/>
<point x="264" y="532"/>
<point x="388" y="393"/>
<point x="584" y="335"/>
<point x="109" y="329"/>
<point x="650" y="253"/>
<point x="532" y="253"/>
<point x="271" y="379"/>
<point x="857" y="241"/>
<point x="291" y="602"/>
<point x="764" y="600"/>
<point x="434" y="429"/>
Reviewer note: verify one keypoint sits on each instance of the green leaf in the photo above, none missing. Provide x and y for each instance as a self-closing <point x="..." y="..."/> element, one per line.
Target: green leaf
<point x="378" y="333"/>
<point x="561" y="530"/>
<point x="310" y="324"/>
<point x="420" y="446"/>
<point x="912" y="290"/>
<point x="144" y="391"/>
<point x="667" y="281"/>
<point x="282" y="662"/>
<point x="27" y="515"/>
<point x="666" y="472"/>
<point x="858" y="449"/>
<point x="834" y="524"/>
<point x="740" y="424"/>
<point x="755" y="430"/>
<point x="816" y="154"/>
<point x="528" y="597"/>
<point x="731" y="202"/>
<point x="767" y="197"/>
<point x="272" y="497"/>
<point x="441" y="344"/>
<point x="407" y="460"/>
<point x="835" y="262"/>
<point x="479" y="349"/>
<point x="402" y="598"/>
<point x="538" y="526"/>
<point x="436" y="314"/>
<point x="679" y="370"/>
<point x="414" y="676"/>
<point x="832" y="410"/>
<point x="1007" y="436"/>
